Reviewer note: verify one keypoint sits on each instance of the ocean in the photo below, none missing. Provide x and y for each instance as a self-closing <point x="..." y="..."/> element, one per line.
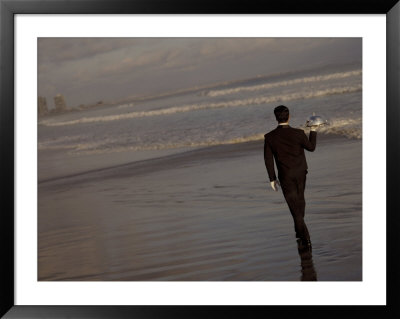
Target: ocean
<point x="173" y="186"/>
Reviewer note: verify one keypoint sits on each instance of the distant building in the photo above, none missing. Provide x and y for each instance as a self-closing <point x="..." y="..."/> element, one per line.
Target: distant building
<point x="42" y="106"/>
<point x="59" y="102"/>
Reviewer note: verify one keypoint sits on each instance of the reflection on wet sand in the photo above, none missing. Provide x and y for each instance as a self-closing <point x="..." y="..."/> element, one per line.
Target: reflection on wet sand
<point x="308" y="272"/>
<point x="150" y="221"/>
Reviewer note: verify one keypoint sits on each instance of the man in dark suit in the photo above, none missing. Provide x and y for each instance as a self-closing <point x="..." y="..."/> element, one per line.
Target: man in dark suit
<point x="286" y="145"/>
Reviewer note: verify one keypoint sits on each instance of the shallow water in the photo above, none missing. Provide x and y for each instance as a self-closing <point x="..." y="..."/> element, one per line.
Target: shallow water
<point x="207" y="214"/>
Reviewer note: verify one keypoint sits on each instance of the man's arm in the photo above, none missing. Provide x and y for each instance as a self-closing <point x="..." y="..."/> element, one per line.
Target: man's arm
<point x="311" y="142"/>
<point x="269" y="160"/>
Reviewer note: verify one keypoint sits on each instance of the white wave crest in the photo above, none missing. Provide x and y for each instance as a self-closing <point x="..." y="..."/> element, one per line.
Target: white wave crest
<point x="351" y="128"/>
<point x="347" y="127"/>
<point x="319" y="78"/>
<point x="63" y="142"/>
<point x="225" y="104"/>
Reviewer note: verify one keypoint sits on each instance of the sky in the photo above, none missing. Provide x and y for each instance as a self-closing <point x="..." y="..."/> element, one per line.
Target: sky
<point x="88" y="70"/>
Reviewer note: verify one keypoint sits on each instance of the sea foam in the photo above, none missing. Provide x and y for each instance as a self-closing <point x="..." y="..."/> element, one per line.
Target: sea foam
<point x="306" y="94"/>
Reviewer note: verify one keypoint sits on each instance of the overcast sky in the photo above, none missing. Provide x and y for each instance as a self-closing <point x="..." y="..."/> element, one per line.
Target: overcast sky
<point x="87" y="70"/>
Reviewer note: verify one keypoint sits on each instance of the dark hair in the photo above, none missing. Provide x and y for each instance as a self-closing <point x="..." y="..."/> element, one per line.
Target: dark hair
<point x="281" y="113"/>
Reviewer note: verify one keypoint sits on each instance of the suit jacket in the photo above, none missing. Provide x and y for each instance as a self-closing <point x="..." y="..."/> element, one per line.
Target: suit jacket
<point x="286" y="144"/>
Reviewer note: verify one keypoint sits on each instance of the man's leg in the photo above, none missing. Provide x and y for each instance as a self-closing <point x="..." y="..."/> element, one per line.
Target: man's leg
<point x="293" y="190"/>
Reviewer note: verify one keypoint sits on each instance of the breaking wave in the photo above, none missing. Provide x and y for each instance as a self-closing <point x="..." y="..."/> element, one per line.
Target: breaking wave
<point x="225" y="104"/>
<point x="63" y="142"/>
<point x="303" y="80"/>
<point x="350" y="128"/>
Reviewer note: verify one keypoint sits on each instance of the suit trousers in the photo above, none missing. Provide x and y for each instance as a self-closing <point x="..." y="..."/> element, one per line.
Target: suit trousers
<point x="293" y="191"/>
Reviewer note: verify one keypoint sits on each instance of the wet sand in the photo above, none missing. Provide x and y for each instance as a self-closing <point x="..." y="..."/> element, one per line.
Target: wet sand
<point x="206" y="214"/>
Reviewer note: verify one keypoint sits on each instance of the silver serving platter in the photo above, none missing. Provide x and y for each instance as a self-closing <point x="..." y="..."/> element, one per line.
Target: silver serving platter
<point x="316" y="120"/>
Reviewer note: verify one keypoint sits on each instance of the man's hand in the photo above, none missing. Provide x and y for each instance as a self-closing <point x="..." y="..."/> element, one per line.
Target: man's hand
<point x="275" y="184"/>
<point x="314" y="128"/>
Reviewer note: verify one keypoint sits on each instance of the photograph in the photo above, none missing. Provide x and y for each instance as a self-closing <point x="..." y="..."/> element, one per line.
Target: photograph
<point x="199" y="159"/>
<point x="172" y="159"/>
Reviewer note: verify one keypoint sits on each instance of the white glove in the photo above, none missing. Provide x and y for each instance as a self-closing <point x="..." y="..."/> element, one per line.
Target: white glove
<point x="275" y="184"/>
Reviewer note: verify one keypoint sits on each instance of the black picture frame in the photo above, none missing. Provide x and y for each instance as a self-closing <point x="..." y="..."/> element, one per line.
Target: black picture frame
<point x="8" y="8"/>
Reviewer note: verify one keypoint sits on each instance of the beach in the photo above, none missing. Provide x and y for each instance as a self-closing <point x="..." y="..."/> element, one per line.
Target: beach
<point x="201" y="214"/>
<point x="173" y="187"/>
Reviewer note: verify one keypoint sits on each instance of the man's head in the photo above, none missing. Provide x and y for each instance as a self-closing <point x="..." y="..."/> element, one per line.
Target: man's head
<point x="281" y="113"/>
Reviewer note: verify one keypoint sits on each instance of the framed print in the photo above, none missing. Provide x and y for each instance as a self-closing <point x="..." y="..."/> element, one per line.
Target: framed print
<point x="134" y="184"/>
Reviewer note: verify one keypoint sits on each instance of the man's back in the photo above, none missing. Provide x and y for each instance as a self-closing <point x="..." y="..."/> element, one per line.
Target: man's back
<point x="286" y="145"/>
